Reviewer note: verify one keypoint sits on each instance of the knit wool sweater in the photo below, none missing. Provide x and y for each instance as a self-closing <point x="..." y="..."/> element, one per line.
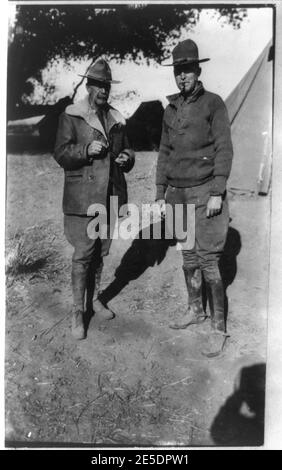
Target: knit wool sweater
<point x="196" y="143"/>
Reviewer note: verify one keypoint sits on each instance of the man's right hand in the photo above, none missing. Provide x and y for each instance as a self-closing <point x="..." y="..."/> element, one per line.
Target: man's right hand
<point x="161" y="204"/>
<point x="95" y="148"/>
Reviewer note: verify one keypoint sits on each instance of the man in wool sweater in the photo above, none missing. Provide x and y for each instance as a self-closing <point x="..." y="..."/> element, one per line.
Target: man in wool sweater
<point x="193" y="166"/>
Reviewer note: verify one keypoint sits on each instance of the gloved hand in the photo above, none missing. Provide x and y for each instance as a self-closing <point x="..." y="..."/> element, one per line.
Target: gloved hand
<point x="122" y="159"/>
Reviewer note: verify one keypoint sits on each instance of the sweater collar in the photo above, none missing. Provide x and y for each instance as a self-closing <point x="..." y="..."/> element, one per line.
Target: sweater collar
<point x="177" y="97"/>
<point x="83" y="110"/>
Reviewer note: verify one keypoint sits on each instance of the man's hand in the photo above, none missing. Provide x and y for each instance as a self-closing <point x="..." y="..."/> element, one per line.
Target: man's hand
<point x="161" y="204"/>
<point x="214" y="206"/>
<point x="95" y="148"/>
<point x="122" y="159"/>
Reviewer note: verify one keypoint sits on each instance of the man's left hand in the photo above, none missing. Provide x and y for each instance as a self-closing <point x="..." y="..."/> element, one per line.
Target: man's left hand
<point x="122" y="159"/>
<point x="214" y="206"/>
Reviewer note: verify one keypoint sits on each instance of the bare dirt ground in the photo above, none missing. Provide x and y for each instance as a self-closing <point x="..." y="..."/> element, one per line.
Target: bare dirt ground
<point x="133" y="380"/>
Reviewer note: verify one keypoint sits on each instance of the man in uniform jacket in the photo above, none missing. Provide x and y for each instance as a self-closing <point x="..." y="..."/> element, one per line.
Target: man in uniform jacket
<point x="193" y="166"/>
<point x="93" y="149"/>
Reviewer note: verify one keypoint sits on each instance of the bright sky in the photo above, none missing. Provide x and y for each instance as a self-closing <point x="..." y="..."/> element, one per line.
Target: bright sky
<point x="231" y="51"/>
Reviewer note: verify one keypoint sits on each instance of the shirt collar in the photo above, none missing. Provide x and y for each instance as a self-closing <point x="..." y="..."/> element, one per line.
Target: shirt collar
<point x="83" y="109"/>
<point x="178" y="98"/>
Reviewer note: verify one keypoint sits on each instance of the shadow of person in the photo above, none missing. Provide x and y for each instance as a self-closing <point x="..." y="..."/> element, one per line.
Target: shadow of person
<point x="240" y="421"/>
<point x="228" y="261"/>
<point x="143" y="253"/>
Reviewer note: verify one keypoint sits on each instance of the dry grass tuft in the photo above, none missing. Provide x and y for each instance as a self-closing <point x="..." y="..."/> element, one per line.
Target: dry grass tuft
<point x="30" y="249"/>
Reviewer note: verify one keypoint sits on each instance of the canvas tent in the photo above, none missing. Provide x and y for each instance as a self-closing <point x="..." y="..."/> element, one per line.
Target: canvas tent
<point x="250" y="111"/>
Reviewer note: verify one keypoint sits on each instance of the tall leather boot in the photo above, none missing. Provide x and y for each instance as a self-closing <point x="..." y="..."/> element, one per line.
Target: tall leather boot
<point x="218" y="336"/>
<point x="78" y="275"/>
<point x="217" y="307"/>
<point x="98" y="306"/>
<point x="195" y="313"/>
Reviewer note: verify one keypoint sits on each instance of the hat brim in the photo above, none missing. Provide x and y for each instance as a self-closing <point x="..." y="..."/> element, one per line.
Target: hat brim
<point x="185" y="62"/>
<point x="99" y="80"/>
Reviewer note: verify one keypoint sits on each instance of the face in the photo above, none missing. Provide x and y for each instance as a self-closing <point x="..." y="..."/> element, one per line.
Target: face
<point x="98" y="93"/>
<point x="186" y="77"/>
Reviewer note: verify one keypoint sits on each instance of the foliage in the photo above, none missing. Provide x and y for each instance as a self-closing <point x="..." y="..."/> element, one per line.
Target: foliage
<point x="44" y="33"/>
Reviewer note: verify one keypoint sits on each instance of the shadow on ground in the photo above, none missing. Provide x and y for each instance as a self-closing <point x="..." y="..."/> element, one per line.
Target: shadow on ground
<point x="240" y="421"/>
<point x="142" y="254"/>
<point x="228" y="261"/>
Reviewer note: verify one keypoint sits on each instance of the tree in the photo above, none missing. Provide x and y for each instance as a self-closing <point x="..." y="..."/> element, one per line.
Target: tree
<point x="44" y="33"/>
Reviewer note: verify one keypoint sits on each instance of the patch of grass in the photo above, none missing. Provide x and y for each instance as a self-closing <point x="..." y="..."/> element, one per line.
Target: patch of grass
<point x="30" y="250"/>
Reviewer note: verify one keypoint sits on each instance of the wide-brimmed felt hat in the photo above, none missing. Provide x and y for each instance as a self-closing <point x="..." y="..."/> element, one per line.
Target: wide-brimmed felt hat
<point x="186" y="52"/>
<point x="100" y="71"/>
